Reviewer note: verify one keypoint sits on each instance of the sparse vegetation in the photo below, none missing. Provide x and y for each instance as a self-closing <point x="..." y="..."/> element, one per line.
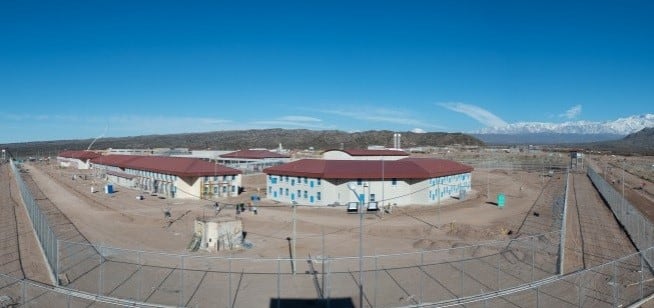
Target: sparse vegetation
<point x="235" y="140"/>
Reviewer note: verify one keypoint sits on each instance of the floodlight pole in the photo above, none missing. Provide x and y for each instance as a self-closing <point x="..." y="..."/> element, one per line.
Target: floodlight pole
<point x="361" y="205"/>
<point x="360" y="210"/>
<point x="293" y="239"/>
<point x="623" y="196"/>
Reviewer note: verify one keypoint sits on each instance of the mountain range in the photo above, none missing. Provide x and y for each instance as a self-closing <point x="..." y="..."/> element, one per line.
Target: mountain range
<point x="621" y="127"/>
<point x="566" y="132"/>
<point x="245" y="139"/>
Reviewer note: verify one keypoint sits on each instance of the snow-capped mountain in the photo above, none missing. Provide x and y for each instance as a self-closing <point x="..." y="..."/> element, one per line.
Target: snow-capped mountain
<point x="621" y="126"/>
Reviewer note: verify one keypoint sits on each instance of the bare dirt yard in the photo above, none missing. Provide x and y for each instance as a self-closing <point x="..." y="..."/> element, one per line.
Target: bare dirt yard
<point x="149" y="260"/>
<point x="120" y="220"/>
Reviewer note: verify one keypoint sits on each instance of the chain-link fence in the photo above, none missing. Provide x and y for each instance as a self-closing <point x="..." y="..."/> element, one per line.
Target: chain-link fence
<point x="638" y="227"/>
<point x="618" y="283"/>
<point x="44" y="232"/>
<point x="519" y="272"/>
<point x="388" y="280"/>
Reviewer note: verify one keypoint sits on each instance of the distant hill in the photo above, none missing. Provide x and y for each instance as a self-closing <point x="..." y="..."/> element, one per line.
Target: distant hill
<point x="641" y="142"/>
<point x="544" y="138"/>
<point x="243" y="139"/>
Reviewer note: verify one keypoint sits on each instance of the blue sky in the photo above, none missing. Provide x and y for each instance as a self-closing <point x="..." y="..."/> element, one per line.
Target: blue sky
<point x="79" y="69"/>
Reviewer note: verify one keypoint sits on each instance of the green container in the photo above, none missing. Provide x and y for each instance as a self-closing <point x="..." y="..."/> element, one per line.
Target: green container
<point x="500" y="200"/>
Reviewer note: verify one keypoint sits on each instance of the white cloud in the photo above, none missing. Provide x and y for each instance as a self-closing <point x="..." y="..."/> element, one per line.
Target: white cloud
<point x="299" y="119"/>
<point x="418" y="131"/>
<point x="572" y="112"/>
<point x="376" y="114"/>
<point x="481" y="115"/>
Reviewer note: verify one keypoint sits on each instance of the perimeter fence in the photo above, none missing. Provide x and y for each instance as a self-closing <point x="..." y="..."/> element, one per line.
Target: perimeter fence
<point x="520" y="272"/>
<point x="637" y="225"/>
<point x="42" y="227"/>
<point x="389" y="280"/>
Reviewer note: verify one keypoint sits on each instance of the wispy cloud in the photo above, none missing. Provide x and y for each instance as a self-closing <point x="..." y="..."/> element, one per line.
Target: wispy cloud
<point x="418" y="131"/>
<point x="300" y="119"/>
<point x="481" y="115"/>
<point x="291" y="121"/>
<point x="376" y="114"/>
<point x="571" y="113"/>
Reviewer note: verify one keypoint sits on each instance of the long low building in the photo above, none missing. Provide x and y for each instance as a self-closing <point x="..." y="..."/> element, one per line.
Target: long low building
<point x="421" y="181"/>
<point x="77" y="159"/>
<point x="173" y="177"/>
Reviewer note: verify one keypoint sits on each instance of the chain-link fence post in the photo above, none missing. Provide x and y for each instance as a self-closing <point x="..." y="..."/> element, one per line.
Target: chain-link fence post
<point x="374" y="300"/>
<point x="278" y="283"/>
<point x="229" y="277"/>
<point x="181" y="281"/>
<point x="422" y="275"/>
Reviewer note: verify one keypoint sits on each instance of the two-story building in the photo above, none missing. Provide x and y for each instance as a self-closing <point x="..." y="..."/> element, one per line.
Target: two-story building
<point x="420" y="181"/>
<point x="173" y="177"/>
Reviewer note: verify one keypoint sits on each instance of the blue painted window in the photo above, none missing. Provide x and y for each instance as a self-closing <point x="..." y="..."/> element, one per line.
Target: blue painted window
<point x="305" y="180"/>
<point x="311" y="199"/>
<point x="292" y="182"/>
<point x="311" y="184"/>
<point x="292" y="197"/>
<point x="318" y="196"/>
<point x="318" y="184"/>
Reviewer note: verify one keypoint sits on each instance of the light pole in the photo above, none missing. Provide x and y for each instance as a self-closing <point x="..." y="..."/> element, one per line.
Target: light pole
<point x="293" y="240"/>
<point x="362" y="199"/>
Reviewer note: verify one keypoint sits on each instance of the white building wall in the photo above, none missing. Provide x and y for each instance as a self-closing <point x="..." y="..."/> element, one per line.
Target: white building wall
<point x="388" y="192"/>
<point x="172" y="186"/>
<point x="340" y="155"/>
<point x="73" y="162"/>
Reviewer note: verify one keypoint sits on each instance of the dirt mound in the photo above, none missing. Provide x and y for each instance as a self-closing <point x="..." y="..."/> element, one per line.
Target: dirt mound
<point x="423" y="244"/>
<point x="498" y="171"/>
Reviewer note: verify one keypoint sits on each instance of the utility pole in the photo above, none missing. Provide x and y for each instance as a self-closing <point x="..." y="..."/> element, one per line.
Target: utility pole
<point x="293" y="240"/>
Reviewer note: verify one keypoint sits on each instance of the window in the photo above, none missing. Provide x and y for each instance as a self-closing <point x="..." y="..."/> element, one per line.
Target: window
<point x="215" y="179"/>
<point x="299" y="193"/>
<point x="215" y="189"/>
<point x="233" y="177"/>
<point x="372" y="198"/>
<point x="359" y="182"/>
<point x="269" y="188"/>
<point x="286" y="192"/>
<point x="394" y="181"/>
<point x="306" y="195"/>
<point x="318" y="184"/>
<point x="305" y="180"/>
<point x="281" y="191"/>
<point x="233" y="188"/>
<point x="318" y="196"/>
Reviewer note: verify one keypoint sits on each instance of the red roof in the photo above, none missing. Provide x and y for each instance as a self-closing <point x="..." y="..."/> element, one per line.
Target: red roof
<point x="363" y="152"/>
<point x="406" y="168"/>
<point x="180" y="166"/>
<point x="81" y="155"/>
<point x="254" y="154"/>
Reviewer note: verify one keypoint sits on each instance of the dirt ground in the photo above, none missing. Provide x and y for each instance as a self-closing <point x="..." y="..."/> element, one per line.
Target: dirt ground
<point x="120" y="220"/>
<point x="20" y="254"/>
